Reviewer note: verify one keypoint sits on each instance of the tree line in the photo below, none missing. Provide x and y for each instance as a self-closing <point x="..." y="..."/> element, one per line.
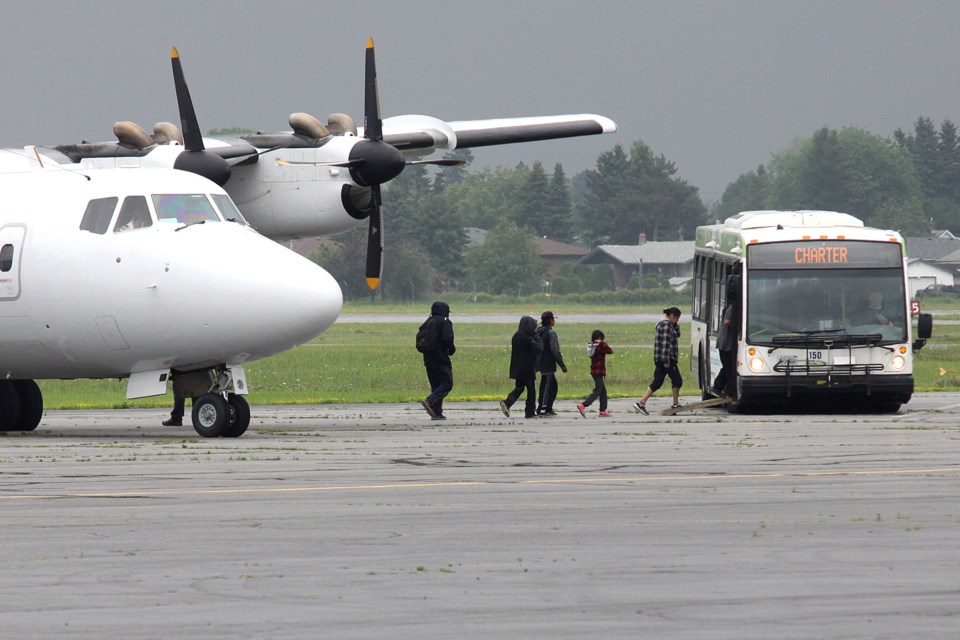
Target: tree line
<point x="908" y="181"/>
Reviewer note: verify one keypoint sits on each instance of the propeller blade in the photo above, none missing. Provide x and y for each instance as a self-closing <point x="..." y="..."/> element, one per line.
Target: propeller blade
<point x="375" y="242"/>
<point x="250" y="158"/>
<point x="345" y="163"/>
<point x="439" y="163"/>
<point x="372" y="124"/>
<point x="189" y="125"/>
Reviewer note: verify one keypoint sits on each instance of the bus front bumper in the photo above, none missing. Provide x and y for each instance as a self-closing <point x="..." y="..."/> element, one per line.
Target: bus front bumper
<point x="884" y="388"/>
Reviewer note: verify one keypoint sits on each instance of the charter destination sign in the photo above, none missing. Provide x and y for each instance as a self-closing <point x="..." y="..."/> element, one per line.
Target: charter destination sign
<point x="824" y="254"/>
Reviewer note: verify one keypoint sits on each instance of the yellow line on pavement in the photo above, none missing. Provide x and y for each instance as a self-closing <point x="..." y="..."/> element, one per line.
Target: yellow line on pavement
<point x="423" y="485"/>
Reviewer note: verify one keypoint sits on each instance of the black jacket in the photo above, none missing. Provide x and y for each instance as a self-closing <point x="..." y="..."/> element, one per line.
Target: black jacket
<point x="441" y="358"/>
<point x="551" y="357"/>
<point x="526" y="350"/>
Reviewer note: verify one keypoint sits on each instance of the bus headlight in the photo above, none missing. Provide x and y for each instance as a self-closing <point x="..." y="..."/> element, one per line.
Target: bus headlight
<point x="897" y="363"/>
<point x="756" y="364"/>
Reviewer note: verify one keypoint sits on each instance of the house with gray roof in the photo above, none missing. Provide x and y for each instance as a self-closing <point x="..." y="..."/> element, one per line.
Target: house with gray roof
<point x="673" y="259"/>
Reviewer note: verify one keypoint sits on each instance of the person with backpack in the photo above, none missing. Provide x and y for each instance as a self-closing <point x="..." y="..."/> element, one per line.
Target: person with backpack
<point x="597" y="349"/>
<point x="526" y="348"/>
<point x="550" y="359"/>
<point x="435" y="342"/>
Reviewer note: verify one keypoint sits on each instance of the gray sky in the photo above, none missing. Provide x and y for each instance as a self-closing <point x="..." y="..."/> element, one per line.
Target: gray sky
<point x="715" y="86"/>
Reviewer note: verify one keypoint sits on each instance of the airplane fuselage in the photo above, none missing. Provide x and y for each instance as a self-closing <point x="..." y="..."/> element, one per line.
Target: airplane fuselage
<point x="82" y="303"/>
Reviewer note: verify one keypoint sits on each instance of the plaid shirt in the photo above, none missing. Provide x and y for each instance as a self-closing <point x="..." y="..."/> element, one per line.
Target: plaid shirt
<point x="666" y="343"/>
<point x="598" y="361"/>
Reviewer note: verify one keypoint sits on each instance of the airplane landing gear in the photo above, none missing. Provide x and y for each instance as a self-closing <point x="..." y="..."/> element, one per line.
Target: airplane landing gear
<point x="211" y="415"/>
<point x="239" y="416"/>
<point x="217" y="410"/>
<point x="21" y="405"/>
<point x="214" y="416"/>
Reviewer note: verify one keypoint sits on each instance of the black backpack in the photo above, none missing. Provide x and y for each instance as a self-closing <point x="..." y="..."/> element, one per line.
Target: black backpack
<point x="428" y="336"/>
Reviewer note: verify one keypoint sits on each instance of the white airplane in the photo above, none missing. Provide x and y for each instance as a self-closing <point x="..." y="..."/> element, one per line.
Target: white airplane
<point x="318" y="179"/>
<point x="137" y="274"/>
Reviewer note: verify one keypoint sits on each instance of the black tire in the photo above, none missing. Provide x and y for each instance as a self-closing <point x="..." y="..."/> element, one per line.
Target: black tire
<point x="31" y="404"/>
<point x="239" y="416"/>
<point x="211" y="415"/>
<point x="9" y="406"/>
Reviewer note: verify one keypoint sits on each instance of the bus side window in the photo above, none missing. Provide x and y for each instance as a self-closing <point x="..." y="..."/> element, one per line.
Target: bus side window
<point x="719" y="294"/>
<point x="96" y="219"/>
<point x="699" y="286"/>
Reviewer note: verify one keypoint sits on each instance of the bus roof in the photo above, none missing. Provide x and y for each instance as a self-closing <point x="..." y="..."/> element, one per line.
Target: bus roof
<point x="749" y="227"/>
<point x="791" y="219"/>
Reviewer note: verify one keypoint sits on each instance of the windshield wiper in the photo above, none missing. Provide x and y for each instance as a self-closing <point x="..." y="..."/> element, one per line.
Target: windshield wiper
<point x="819" y="339"/>
<point x="189" y="224"/>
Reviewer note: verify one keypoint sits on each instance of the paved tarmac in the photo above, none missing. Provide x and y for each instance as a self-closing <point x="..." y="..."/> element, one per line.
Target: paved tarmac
<point x="371" y="521"/>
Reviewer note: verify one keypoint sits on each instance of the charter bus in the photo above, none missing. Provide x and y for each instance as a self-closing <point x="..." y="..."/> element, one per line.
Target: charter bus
<point x="822" y="310"/>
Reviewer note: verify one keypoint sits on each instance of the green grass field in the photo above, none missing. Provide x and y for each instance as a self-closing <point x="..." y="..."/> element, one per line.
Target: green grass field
<point x="378" y="363"/>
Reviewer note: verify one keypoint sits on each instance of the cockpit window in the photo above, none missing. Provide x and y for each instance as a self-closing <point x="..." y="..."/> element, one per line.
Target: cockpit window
<point x="97" y="217"/>
<point x="184" y="208"/>
<point x="134" y="214"/>
<point x="228" y="209"/>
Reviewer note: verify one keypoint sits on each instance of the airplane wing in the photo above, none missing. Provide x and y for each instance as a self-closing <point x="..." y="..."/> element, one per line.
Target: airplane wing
<point x="424" y="133"/>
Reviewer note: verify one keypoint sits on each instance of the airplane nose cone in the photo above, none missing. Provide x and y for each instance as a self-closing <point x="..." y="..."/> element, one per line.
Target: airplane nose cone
<point x="252" y="298"/>
<point x="299" y="298"/>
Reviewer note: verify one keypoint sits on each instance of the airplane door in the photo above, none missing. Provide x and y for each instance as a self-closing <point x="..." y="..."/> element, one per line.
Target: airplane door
<point x="11" y="248"/>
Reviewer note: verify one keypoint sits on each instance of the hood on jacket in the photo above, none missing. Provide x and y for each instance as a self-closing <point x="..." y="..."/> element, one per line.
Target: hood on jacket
<point x="440" y="309"/>
<point x="528" y="325"/>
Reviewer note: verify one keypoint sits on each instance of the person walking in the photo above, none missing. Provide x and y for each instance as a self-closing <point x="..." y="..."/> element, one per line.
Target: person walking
<point x="598" y="350"/>
<point x="525" y="351"/>
<point x="435" y="342"/>
<point x="666" y="353"/>
<point x="550" y="359"/>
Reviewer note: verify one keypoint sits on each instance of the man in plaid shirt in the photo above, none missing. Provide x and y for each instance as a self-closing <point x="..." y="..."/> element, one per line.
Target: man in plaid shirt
<point x="666" y="353"/>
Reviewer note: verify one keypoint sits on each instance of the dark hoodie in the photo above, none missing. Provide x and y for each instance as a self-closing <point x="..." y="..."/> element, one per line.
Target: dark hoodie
<point x="441" y="358"/>
<point x="526" y="350"/>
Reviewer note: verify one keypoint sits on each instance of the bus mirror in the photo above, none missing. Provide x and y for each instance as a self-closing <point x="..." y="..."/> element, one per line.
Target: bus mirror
<point x="925" y="326"/>
<point x="924" y="331"/>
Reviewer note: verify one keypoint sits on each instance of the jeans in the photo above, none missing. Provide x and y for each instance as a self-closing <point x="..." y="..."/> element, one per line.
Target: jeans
<point x="599" y="391"/>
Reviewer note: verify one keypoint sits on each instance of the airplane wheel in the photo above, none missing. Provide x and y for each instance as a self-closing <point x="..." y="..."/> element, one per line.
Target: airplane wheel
<point x="240" y="416"/>
<point x="9" y="406"/>
<point x="211" y="415"/>
<point x="31" y="404"/>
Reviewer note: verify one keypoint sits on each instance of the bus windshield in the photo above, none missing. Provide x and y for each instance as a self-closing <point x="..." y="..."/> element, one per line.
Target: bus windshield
<point x="832" y="301"/>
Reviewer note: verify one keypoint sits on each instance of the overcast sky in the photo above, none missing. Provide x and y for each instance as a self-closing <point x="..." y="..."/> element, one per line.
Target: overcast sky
<point x="717" y="87"/>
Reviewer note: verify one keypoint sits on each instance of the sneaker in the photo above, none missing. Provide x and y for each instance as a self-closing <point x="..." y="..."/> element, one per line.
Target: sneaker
<point x="429" y="409"/>
<point x="172" y="422"/>
<point x="549" y="414"/>
<point x="641" y="408"/>
<point x="675" y="406"/>
<point x="532" y="415"/>
<point x="605" y="414"/>
<point x="504" y="408"/>
<point x="439" y="416"/>
<point x="582" y="409"/>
